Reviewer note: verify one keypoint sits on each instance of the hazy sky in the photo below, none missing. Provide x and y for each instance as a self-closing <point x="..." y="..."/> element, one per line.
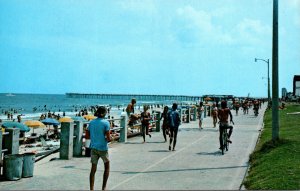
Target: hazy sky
<point x="186" y="47"/>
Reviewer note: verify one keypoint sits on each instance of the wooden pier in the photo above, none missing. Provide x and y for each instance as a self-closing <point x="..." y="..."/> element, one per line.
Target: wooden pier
<point x="137" y="96"/>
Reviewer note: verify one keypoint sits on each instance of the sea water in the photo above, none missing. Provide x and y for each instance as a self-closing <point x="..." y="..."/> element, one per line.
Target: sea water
<point x="33" y="105"/>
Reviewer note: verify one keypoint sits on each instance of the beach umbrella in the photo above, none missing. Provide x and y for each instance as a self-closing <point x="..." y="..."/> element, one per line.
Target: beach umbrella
<point x="18" y="125"/>
<point x="34" y="124"/>
<point x="207" y="99"/>
<point x="66" y="119"/>
<point x="89" y="117"/>
<point x="50" y="121"/>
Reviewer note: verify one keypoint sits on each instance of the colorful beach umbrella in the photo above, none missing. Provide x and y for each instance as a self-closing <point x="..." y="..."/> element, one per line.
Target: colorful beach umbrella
<point x="89" y="117"/>
<point x="34" y="123"/>
<point x="11" y="124"/>
<point x="207" y="99"/>
<point x="66" y="119"/>
<point x="50" y="121"/>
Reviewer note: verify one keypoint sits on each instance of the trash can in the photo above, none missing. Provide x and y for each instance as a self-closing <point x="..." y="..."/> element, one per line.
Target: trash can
<point x="12" y="167"/>
<point x="28" y="165"/>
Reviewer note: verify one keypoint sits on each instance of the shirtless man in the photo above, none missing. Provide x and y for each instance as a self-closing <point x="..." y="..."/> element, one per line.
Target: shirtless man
<point x="223" y="115"/>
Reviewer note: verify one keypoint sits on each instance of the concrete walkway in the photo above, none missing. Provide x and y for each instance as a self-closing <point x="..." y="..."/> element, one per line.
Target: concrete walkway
<point x="196" y="164"/>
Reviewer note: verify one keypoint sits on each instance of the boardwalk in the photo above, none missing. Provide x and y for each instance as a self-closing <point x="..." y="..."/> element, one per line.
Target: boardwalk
<point x="196" y="164"/>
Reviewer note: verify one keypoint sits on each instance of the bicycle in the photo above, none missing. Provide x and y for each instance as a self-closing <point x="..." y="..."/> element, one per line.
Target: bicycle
<point x="225" y="142"/>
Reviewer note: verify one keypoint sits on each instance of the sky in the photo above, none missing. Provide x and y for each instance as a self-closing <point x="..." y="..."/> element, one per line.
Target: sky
<point x="170" y="47"/>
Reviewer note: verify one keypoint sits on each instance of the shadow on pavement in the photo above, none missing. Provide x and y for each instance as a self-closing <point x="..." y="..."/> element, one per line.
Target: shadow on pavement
<point x="187" y="169"/>
<point x="147" y="142"/>
<point x="160" y="151"/>
<point x="189" y="129"/>
<point x="156" y="142"/>
<point x="212" y="129"/>
<point x="134" y="143"/>
<point x="252" y="116"/>
<point x="216" y="129"/>
<point x="210" y="153"/>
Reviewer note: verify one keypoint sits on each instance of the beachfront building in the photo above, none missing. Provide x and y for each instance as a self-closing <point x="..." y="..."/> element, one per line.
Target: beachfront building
<point x="296" y="85"/>
<point x="283" y="93"/>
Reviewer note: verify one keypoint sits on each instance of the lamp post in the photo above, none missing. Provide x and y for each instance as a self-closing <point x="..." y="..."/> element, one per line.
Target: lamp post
<point x="267" y="61"/>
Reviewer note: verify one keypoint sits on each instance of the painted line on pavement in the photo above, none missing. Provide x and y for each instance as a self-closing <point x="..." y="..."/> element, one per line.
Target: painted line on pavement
<point x="160" y="161"/>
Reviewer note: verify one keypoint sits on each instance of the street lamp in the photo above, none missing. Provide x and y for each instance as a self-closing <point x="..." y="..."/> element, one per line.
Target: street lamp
<point x="267" y="61"/>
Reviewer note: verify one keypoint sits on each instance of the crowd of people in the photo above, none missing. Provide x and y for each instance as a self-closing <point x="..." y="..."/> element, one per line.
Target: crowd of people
<point x="171" y="120"/>
<point x="247" y="104"/>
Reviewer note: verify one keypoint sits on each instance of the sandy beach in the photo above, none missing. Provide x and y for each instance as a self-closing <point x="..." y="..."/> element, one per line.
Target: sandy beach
<point x="32" y="142"/>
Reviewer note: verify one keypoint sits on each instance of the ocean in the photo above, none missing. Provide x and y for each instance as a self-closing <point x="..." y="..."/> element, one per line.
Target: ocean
<point x="33" y="105"/>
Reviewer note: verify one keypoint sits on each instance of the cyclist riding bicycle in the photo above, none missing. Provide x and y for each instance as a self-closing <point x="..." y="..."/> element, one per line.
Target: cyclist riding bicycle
<point x="223" y="115"/>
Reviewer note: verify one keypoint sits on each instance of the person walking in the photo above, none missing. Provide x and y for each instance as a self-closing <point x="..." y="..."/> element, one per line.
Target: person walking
<point x="100" y="136"/>
<point x="200" y="114"/>
<point x="165" y="125"/>
<point x="174" y="122"/>
<point x="214" y="114"/>
<point x="237" y="107"/>
<point x="145" y="119"/>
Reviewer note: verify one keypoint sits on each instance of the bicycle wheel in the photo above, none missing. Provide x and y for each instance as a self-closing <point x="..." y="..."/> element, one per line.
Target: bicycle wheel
<point x="226" y="142"/>
<point x="223" y="141"/>
<point x="225" y="138"/>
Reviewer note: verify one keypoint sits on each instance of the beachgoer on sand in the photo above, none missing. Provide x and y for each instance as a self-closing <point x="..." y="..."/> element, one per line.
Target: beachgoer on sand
<point x="100" y="136"/>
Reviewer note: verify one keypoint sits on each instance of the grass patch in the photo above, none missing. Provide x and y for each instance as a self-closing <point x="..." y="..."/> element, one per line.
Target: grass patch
<point x="276" y="165"/>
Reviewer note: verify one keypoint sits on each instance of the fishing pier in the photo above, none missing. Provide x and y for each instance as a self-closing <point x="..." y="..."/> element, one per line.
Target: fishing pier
<point x="137" y="96"/>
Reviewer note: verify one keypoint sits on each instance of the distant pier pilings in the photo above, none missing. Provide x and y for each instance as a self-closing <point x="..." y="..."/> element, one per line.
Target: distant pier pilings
<point x="137" y="96"/>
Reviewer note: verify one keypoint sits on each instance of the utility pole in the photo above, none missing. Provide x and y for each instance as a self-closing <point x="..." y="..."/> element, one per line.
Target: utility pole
<point x="275" y="113"/>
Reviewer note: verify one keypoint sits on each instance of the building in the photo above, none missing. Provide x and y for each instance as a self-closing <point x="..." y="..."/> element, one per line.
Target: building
<point x="283" y="93"/>
<point x="296" y="85"/>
